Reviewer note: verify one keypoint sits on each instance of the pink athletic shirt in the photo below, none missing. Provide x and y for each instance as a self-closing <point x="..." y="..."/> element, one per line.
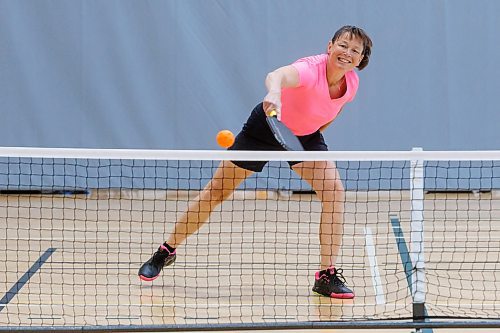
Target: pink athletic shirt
<point x="306" y="108"/>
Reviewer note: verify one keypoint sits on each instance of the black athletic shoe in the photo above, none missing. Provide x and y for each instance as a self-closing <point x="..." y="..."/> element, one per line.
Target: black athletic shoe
<point x="331" y="283"/>
<point x="151" y="269"/>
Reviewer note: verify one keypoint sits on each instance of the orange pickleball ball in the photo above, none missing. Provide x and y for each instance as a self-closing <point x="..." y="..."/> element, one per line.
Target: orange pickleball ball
<point x="225" y="138"/>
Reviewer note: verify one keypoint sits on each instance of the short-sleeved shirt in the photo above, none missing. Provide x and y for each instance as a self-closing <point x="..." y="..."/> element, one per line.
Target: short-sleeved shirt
<point x="308" y="107"/>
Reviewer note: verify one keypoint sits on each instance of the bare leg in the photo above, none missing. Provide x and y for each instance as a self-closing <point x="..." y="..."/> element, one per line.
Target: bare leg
<point x="325" y="180"/>
<point x="225" y="180"/>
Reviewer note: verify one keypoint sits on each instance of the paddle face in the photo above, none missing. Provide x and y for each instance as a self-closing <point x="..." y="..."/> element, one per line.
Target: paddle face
<point x="283" y="134"/>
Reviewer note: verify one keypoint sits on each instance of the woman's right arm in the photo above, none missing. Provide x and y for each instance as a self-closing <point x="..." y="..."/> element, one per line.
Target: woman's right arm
<point x="283" y="77"/>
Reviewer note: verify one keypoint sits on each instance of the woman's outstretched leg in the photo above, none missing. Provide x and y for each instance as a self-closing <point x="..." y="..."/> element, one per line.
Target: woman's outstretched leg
<point x="226" y="179"/>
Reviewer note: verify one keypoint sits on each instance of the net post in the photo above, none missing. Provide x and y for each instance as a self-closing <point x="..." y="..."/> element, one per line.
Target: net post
<point x="417" y="237"/>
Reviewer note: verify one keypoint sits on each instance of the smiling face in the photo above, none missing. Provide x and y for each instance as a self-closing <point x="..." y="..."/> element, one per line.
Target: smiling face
<point x="345" y="53"/>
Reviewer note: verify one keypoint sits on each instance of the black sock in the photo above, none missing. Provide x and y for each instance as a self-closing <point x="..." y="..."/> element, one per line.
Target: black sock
<point x="169" y="248"/>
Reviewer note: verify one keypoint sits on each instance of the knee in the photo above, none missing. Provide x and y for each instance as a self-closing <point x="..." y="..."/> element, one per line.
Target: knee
<point x="339" y="188"/>
<point x="332" y="192"/>
<point x="215" y="195"/>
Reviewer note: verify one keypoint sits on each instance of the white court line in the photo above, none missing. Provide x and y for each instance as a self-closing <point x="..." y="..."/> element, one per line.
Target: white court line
<point x="372" y="258"/>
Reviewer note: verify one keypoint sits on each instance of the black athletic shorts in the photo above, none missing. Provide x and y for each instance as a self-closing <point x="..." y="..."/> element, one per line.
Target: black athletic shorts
<point x="256" y="135"/>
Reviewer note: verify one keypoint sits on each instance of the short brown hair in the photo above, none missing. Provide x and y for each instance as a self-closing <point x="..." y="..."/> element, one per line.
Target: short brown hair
<point x="353" y="31"/>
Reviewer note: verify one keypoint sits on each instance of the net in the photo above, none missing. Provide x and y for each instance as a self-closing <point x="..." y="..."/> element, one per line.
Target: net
<point x="420" y="238"/>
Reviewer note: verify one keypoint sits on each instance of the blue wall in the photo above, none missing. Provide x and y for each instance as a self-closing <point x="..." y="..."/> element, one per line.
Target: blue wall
<point x="27" y="174"/>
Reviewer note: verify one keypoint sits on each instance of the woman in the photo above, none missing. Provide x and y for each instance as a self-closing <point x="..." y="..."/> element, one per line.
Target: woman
<point x="307" y="95"/>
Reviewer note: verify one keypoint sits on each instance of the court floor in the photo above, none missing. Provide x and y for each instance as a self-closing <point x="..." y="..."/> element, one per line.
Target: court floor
<point x="73" y="260"/>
